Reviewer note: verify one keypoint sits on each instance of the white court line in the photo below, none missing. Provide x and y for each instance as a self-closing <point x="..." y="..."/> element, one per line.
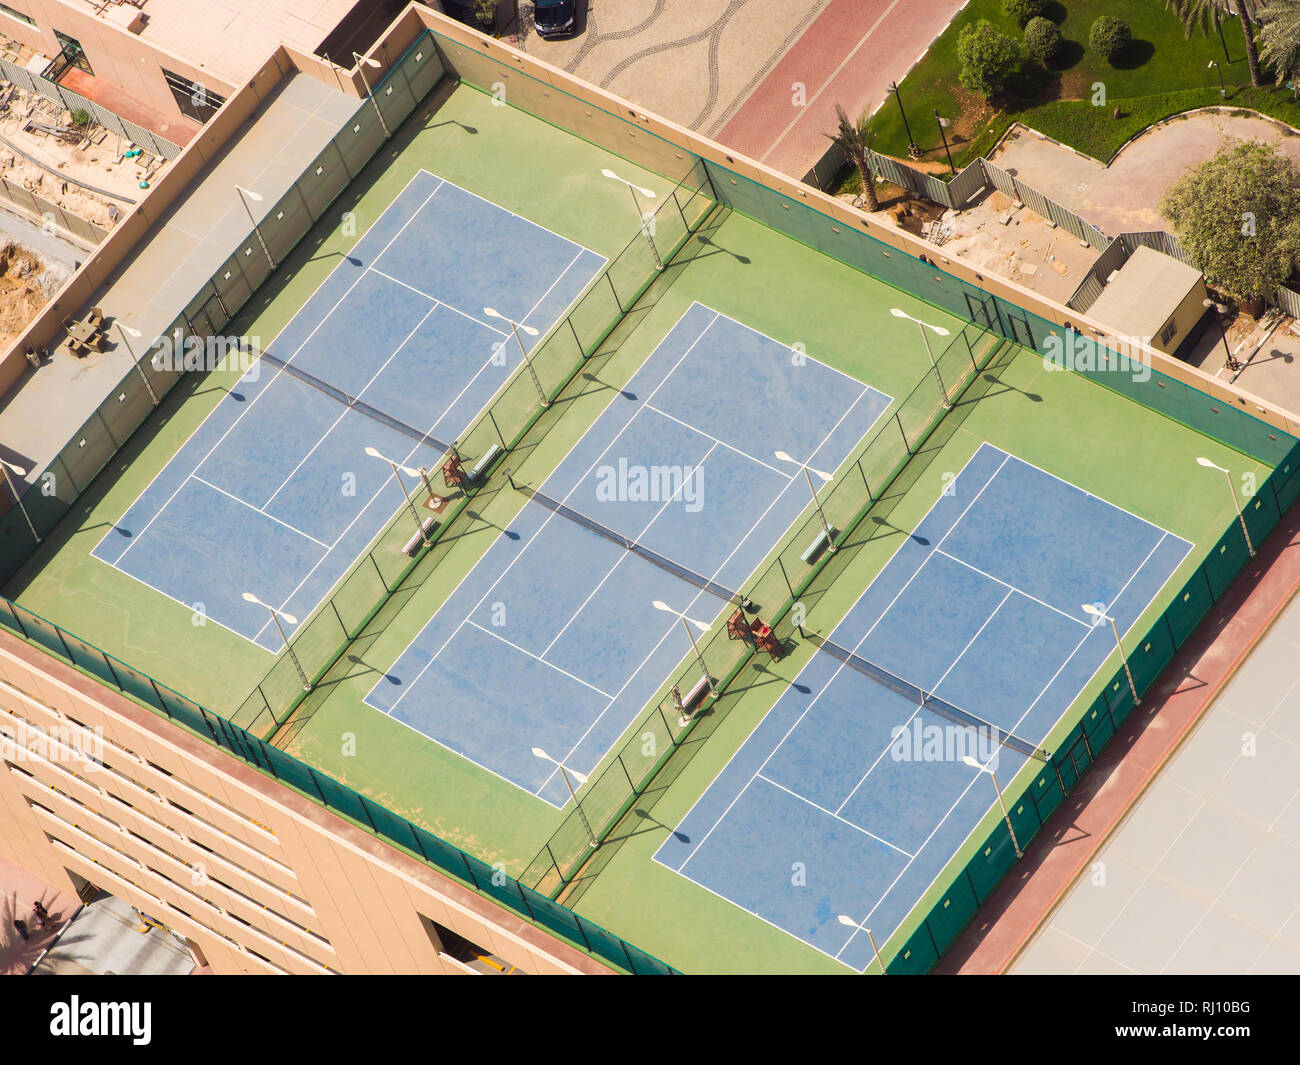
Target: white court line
<point x="933" y="691"/>
<point x="261" y="392"/>
<point x="832" y="813"/>
<point x="716" y="441"/>
<point x="416" y="447"/>
<point x="681" y="488"/>
<point x="1006" y="584"/>
<point x="537" y="658"/>
<point x="545" y="521"/>
<point x="259" y="510"/>
<point x="776" y="499"/>
<point x="349" y="408"/>
<point x="841" y="665"/>
<point x="1134" y="574"/>
<point x="430" y="296"/>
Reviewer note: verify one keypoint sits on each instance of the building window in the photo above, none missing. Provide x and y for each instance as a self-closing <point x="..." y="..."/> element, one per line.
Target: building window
<point x="71" y="53"/>
<point x="1167" y="333"/>
<point x="6" y="9"/>
<point x="197" y="101"/>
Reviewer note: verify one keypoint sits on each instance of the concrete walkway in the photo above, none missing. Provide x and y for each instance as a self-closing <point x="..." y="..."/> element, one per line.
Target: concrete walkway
<point x="1124" y="197"/>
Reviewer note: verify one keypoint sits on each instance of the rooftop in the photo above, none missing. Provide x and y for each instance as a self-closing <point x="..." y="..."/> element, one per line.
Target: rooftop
<point x="1141" y="296"/>
<point x="681" y="373"/>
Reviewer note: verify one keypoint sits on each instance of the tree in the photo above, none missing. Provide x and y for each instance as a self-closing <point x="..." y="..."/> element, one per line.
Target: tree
<point x="854" y="140"/>
<point x="1209" y="15"/>
<point x="1042" y="39"/>
<point x="1109" y="37"/>
<point x="988" y="58"/>
<point x="1022" y="10"/>
<point x="1238" y="217"/>
<point x="1279" y="38"/>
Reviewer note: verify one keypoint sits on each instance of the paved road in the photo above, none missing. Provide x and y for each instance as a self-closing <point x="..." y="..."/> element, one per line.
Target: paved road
<point x="728" y="68"/>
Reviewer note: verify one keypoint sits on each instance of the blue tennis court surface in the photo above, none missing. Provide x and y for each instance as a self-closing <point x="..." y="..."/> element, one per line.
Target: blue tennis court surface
<point x="552" y="640"/>
<point x="273" y="494"/>
<point x="825" y="810"/>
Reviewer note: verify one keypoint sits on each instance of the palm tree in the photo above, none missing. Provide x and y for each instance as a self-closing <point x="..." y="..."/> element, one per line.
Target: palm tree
<point x="1279" y="38"/>
<point x="1209" y="15"/>
<point x="854" y="140"/>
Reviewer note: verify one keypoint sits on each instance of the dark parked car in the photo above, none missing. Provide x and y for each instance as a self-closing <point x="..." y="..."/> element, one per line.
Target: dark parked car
<point x="554" y="18"/>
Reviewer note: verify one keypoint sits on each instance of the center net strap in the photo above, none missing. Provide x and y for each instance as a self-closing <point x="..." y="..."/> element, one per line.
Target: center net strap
<point x="868" y="669"/>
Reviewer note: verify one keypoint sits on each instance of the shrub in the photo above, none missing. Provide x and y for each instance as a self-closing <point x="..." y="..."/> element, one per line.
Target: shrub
<point x="1109" y="37"/>
<point x="988" y="58"/>
<point x="1042" y="39"/>
<point x="1022" y="10"/>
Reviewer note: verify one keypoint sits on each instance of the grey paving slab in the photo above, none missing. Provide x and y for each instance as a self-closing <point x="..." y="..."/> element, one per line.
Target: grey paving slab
<point x="1098" y="964"/>
<point x="1209" y="852"/>
<point x="1218" y="944"/>
<point x="1285" y="718"/>
<point x="1098" y="898"/>
<point x="1262" y="783"/>
<point x="1212" y="751"/>
<point x="1053" y="952"/>
<point x="1256" y="695"/>
<point x="1152" y="828"/>
<point x="1266" y="889"/>
<point x="1152" y="927"/>
<point x="1277" y="960"/>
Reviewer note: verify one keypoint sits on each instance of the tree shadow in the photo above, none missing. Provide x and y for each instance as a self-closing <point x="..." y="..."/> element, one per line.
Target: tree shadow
<point x="1137" y="54"/>
<point x="1054" y="12"/>
<point x="1067" y="56"/>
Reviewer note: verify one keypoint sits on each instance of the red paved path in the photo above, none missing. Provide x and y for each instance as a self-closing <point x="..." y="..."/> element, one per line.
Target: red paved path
<point x="849" y="55"/>
<point x="1138" y="752"/>
<point x="18" y="890"/>
<point x="177" y="130"/>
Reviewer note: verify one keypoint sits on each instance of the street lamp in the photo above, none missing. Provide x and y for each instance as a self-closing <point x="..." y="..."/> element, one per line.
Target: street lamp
<point x="591" y="836"/>
<point x="363" y="62"/>
<point x="276" y="615"/>
<point x="1235" y="501"/>
<point x="1097" y="612"/>
<point x="943" y="126"/>
<point x="913" y="149"/>
<point x="243" y="192"/>
<point x="516" y="327"/>
<point x="1219" y="308"/>
<point x="7" y="466"/>
<point x="334" y="67"/>
<point x="808" y="472"/>
<point x="419" y="522"/>
<point x="659" y="604"/>
<point x="1219" y="70"/>
<point x="938" y="330"/>
<point x="845" y="919"/>
<point x="1001" y="801"/>
<point x="126" y="330"/>
<point x="649" y="194"/>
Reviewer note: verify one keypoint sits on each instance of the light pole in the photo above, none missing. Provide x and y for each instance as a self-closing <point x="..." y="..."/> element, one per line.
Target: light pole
<point x="419" y="522"/>
<point x="126" y="330"/>
<point x="1001" y="801"/>
<point x="276" y="615"/>
<point x="1219" y="309"/>
<point x="808" y="471"/>
<point x="845" y="919"/>
<point x="913" y="150"/>
<point x="362" y="62"/>
<point x="515" y="328"/>
<point x="7" y="466"/>
<point x="649" y="194"/>
<point x="256" y="198"/>
<point x="334" y="67"/>
<point x="1235" y="501"/>
<point x="938" y="330"/>
<point x="686" y="624"/>
<point x="1223" y="92"/>
<point x="1096" y="611"/>
<point x="943" y="126"/>
<point x="591" y="836"/>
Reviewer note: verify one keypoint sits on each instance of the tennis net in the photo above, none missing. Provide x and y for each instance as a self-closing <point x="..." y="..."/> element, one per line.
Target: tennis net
<point x="879" y="674"/>
<point x="354" y="403"/>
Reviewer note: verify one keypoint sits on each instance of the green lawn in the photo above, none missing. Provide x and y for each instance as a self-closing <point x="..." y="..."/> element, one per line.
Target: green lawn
<point x="1162" y="74"/>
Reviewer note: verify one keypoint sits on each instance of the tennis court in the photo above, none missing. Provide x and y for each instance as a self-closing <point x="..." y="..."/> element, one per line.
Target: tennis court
<point x="826" y="810"/>
<point x="274" y="494"/>
<point x="553" y="640"/>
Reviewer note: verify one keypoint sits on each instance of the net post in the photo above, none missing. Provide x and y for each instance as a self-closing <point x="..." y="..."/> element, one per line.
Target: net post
<point x="511" y="480"/>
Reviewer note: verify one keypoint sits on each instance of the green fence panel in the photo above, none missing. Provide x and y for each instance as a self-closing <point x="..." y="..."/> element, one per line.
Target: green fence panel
<point x="917" y="956"/>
